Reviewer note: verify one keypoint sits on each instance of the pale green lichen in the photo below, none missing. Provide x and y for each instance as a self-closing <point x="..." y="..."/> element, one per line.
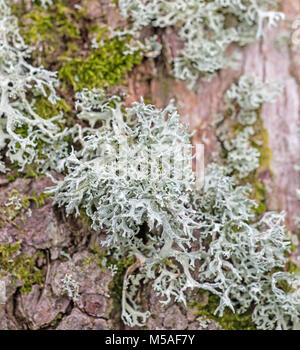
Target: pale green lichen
<point x="70" y="287"/>
<point x="21" y="128"/>
<point x="242" y="152"/>
<point x="17" y="208"/>
<point x="206" y="28"/>
<point x="181" y="237"/>
<point x="242" y="158"/>
<point x="159" y="227"/>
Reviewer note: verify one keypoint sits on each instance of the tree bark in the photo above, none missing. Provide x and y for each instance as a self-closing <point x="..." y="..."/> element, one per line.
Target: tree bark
<point x="49" y="232"/>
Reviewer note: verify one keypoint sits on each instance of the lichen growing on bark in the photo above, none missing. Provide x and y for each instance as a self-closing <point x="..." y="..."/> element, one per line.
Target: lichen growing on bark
<point x="150" y="211"/>
<point x="225" y="231"/>
<point x="242" y="135"/>
<point x="206" y="29"/>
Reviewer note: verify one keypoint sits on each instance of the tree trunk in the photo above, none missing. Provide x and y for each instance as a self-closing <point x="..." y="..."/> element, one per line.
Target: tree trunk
<point x="47" y="232"/>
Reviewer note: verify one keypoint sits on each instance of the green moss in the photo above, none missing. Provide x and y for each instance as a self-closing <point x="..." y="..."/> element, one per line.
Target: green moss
<point x="61" y="38"/>
<point x="57" y="320"/>
<point x="237" y="128"/>
<point x="45" y="22"/>
<point x="229" y="320"/>
<point x="60" y="33"/>
<point x="292" y="267"/>
<point x="116" y="286"/>
<point x="51" y="31"/>
<point x="20" y="266"/>
<point x="261" y="142"/>
<point x="40" y="199"/>
<point x="28" y="173"/>
<point x="285" y="286"/>
<point x="259" y="195"/>
<point x="105" y="67"/>
<point x="45" y="109"/>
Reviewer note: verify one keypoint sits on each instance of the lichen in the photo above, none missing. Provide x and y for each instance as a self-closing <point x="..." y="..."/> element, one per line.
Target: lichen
<point x="206" y="29"/>
<point x="70" y="287"/>
<point x="177" y="235"/>
<point x="17" y="208"/>
<point x="240" y="130"/>
<point x="17" y="205"/>
<point x="157" y="224"/>
<point x="242" y="135"/>
<point x="26" y="136"/>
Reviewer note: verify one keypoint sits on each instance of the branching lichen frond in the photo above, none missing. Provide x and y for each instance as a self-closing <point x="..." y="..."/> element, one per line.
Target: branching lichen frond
<point x="22" y="130"/>
<point x="182" y="238"/>
<point x="242" y="102"/>
<point x="206" y="28"/>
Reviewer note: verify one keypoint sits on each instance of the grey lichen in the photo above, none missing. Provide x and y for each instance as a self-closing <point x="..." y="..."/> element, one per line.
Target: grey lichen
<point x="130" y="170"/>
<point x="250" y="93"/>
<point x="206" y="28"/>
<point x="26" y="136"/>
<point x="181" y="237"/>
<point x="70" y="287"/>
<point x="242" y="102"/>
<point x="114" y="161"/>
<point x="242" y="158"/>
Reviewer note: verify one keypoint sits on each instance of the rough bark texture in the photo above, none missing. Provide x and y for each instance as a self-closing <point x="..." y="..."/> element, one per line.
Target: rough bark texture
<point x="49" y="232"/>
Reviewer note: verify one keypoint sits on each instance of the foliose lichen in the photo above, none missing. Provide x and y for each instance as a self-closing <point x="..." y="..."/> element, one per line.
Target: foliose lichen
<point x="70" y="287"/>
<point x="17" y="208"/>
<point x="207" y="28"/>
<point x="22" y="130"/>
<point x="182" y="237"/>
<point x="131" y="174"/>
<point x="242" y="104"/>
